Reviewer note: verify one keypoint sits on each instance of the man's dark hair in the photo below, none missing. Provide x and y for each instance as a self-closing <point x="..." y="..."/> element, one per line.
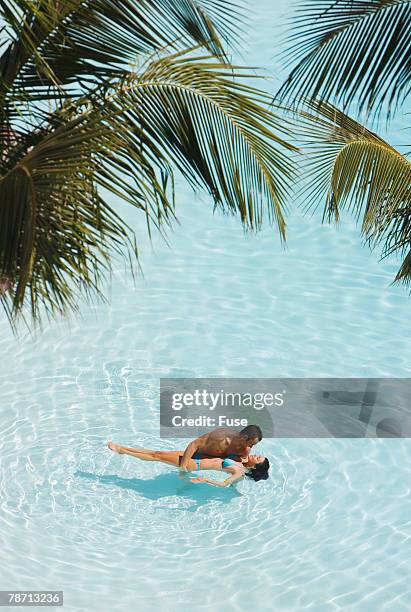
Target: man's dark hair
<point x="259" y="471"/>
<point x="252" y="431"/>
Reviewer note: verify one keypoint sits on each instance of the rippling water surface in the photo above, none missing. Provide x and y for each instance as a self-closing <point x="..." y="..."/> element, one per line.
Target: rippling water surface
<point x="330" y="530"/>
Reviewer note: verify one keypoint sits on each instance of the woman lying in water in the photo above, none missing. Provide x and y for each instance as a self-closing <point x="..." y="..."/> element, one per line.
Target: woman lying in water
<point x="253" y="466"/>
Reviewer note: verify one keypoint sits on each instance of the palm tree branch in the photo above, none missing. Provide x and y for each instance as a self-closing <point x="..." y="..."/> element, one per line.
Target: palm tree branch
<point x="78" y="38"/>
<point x="352" y="167"/>
<point x="196" y="100"/>
<point x="178" y="112"/>
<point x="57" y="232"/>
<point x="351" y="50"/>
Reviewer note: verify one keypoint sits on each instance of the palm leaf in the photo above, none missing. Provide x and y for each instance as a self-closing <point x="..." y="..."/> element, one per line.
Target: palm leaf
<point x="57" y="231"/>
<point x="351" y="167"/>
<point x="351" y="51"/>
<point x="54" y="42"/>
<point x="219" y="132"/>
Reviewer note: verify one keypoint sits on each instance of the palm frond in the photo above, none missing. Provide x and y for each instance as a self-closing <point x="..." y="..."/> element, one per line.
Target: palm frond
<point x="351" y="51"/>
<point x="57" y="231"/>
<point x="227" y="17"/>
<point x="56" y="42"/>
<point x="351" y="167"/>
<point x="220" y="133"/>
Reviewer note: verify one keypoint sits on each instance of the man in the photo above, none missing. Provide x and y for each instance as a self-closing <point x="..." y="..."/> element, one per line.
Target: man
<point x="222" y="443"/>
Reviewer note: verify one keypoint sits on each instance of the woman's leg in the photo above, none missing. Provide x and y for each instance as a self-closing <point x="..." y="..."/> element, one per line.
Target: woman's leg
<point x="170" y="457"/>
<point x="119" y="448"/>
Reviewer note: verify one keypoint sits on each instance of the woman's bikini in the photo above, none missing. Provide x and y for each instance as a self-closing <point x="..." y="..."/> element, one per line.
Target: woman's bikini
<point x="227" y="462"/>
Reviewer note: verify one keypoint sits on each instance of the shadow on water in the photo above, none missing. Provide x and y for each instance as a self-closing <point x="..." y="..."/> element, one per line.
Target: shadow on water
<point x="166" y="485"/>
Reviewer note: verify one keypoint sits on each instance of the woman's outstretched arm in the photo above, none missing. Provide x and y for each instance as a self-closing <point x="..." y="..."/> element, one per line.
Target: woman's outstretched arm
<point x="221" y="483"/>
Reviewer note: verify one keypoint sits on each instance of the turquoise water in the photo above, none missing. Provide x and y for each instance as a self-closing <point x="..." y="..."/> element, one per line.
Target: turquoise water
<point x="330" y="530"/>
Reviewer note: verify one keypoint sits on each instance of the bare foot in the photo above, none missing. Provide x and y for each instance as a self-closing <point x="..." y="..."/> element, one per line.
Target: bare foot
<point x="114" y="447"/>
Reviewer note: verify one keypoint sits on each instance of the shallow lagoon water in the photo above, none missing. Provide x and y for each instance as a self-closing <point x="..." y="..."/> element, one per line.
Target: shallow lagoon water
<point x="330" y="530"/>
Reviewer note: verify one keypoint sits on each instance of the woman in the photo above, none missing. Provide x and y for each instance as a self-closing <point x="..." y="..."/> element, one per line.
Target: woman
<point x="253" y="466"/>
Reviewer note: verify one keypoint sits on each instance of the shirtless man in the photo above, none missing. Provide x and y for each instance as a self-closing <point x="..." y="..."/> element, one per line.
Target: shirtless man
<point x="222" y="443"/>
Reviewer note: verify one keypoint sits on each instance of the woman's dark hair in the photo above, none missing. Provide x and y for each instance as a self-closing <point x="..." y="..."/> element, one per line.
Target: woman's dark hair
<point x="259" y="471"/>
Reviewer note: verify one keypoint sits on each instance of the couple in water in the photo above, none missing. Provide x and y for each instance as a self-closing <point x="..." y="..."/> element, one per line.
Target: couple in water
<point x="223" y="450"/>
